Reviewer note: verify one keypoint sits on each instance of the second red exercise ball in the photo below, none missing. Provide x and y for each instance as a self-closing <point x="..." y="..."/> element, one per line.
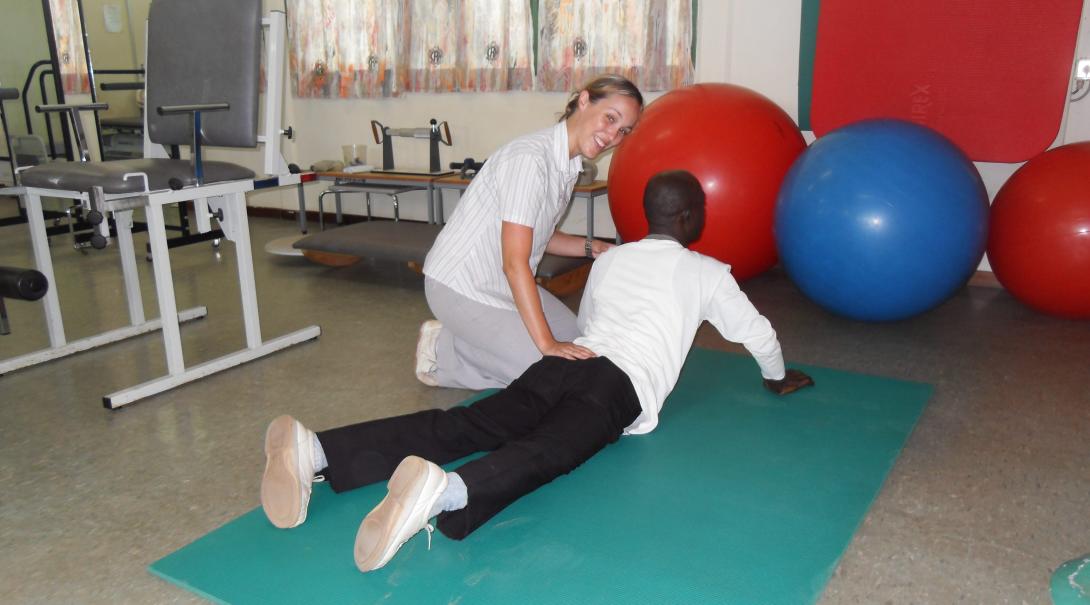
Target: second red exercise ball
<point x="1039" y="240"/>
<point x="738" y="143"/>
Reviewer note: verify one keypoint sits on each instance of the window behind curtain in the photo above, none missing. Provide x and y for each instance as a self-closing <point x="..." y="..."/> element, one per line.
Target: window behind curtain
<point x="647" y="41"/>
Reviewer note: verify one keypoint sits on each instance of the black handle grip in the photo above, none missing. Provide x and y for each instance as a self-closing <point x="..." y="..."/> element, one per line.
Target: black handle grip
<point x="122" y="86"/>
<point x="23" y="284"/>
<point x="71" y="106"/>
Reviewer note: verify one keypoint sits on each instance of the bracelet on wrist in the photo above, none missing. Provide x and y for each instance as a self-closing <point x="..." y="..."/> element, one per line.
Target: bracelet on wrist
<point x="588" y="248"/>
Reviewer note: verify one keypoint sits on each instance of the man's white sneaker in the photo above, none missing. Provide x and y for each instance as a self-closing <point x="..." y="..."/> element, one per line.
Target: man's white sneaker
<point x="413" y="490"/>
<point x="289" y="472"/>
<point x="426" y="357"/>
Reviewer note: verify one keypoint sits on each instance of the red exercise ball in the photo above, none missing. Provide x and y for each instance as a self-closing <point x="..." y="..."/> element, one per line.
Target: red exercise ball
<point x="1039" y="240"/>
<point x="736" y="142"/>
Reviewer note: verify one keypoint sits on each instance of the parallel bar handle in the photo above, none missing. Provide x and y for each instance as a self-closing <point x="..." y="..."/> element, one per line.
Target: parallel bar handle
<point x="71" y="106"/>
<point x="73" y="110"/>
<point x="195" y="110"/>
<point x="164" y="110"/>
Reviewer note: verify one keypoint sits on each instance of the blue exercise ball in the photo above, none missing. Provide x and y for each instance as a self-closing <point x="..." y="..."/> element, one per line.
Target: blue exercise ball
<point x="881" y="220"/>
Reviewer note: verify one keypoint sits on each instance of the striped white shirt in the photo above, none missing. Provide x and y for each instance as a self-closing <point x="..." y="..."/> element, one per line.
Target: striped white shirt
<point x="528" y="181"/>
<point x="642" y="306"/>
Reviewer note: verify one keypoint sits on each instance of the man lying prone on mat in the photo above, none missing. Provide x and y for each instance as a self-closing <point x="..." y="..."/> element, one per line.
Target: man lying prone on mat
<point x="640" y="311"/>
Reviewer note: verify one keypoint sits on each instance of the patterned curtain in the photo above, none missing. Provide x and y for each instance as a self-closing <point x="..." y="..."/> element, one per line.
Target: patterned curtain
<point x="431" y="63"/>
<point x="496" y="47"/>
<point x="71" y="54"/>
<point x="344" y="48"/>
<point x="374" y="48"/>
<point x="647" y="41"/>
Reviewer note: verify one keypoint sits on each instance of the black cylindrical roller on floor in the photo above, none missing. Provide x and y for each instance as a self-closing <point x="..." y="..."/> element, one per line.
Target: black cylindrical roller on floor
<point x="23" y="284"/>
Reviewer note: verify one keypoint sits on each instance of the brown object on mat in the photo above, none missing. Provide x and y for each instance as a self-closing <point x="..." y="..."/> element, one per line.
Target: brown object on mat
<point x="330" y="259"/>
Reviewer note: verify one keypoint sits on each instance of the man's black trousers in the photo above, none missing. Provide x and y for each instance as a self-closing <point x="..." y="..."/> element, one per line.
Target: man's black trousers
<point x="550" y="420"/>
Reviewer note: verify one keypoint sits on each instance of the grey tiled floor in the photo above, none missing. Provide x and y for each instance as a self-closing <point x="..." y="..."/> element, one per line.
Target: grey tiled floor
<point x="991" y="493"/>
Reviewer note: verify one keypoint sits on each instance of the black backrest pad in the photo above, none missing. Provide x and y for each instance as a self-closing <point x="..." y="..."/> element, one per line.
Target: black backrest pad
<point x="204" y="51"/>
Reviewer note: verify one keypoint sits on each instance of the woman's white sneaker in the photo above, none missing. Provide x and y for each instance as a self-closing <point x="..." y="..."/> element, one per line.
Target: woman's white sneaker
<point x="412" y="492"/>
<point x="426" y="357"/>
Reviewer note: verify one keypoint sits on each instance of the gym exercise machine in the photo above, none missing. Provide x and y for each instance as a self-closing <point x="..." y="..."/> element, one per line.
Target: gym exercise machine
<point x="203" y="74"/>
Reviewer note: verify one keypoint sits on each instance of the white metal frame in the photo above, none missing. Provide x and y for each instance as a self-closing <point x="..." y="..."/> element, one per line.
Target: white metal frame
<point x="59" y="346"/>
<point x="228" y="198"/>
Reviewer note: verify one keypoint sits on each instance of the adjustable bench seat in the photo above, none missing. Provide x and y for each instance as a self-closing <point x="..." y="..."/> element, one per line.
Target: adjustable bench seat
<point x="83" y="176"/>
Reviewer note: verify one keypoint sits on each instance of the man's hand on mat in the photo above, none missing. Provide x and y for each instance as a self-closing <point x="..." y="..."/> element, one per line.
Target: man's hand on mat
<point x="791" y="382"/>
<point x="568" y="350"/>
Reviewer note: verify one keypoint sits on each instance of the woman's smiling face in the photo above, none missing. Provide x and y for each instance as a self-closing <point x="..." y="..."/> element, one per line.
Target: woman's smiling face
<point x="598" y="126"/>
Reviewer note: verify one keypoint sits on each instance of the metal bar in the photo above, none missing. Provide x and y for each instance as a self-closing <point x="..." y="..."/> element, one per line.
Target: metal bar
<point x="58" y="107"/>
<point x="302" y="207"/>
<point x="431" y="201"/>
<point x="200" y="211"/>
<point x="193" y="238"/>
<point x="274" y="100"/>
<point x="159" y="385"/>
<point x="198" y="163"/>
<point x="26" y="88"/>
<point x="90" y="74"/>
<point x="7" y="132"/>
<point x="321" y="210"/>
<point x="192" y="108"/>
<point x="98" y="340"/>
<point x="12" y="220"/>
<point x="235" y="211"/>
<point x="112" y="86"/>
<point x="170" y="196"/>
<point x="43" y="261"/>
<point x="120" y="72"/>
<point x="123" y="226"/>
<point x="590" y="217"/>
<point x="52" y="151"/>
<point x="164" y="289"/>
<point x="77" y="124"/>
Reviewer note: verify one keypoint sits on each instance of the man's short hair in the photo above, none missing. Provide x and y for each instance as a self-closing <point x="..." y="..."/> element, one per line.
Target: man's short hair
<point x="669" y="194"/>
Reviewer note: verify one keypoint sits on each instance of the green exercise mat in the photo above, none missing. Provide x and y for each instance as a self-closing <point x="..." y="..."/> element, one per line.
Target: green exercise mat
<point x="739" y="496"/>
<point x="1071" y="582"/>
